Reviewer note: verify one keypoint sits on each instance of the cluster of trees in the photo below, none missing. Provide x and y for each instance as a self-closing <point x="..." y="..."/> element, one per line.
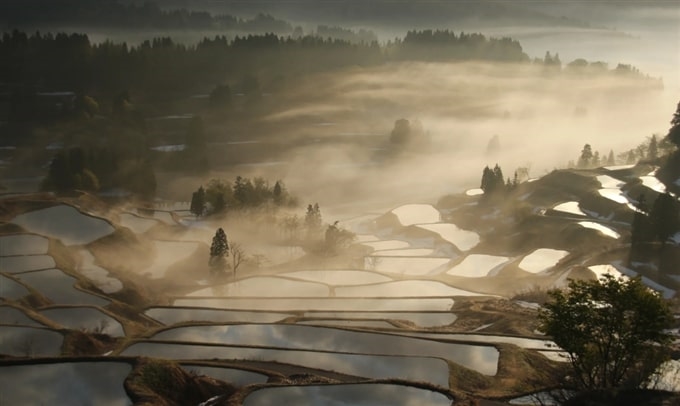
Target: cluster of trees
<point x="219" y="195"/>
<point x="649" y="150"/>
<point x="493" y="183"/>
<point x="355" y="37"/>
<point x="99" y="168"/>
<point x="333" y="239"/>
<point x="446" y="45"/>
<point x="590" y="159"/>
<point x="72" y="62"/>
<point x="407" y="133"/>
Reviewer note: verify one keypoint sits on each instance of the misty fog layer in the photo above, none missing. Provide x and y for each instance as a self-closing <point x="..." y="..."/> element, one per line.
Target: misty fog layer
<point x="339" y="126"/>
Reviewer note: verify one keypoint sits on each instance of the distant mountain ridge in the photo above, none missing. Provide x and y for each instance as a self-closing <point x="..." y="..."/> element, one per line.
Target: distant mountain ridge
<point x="184" y="14"/>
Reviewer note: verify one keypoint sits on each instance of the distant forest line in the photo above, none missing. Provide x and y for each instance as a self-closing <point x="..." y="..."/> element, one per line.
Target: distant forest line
<point x="162" y="67"/>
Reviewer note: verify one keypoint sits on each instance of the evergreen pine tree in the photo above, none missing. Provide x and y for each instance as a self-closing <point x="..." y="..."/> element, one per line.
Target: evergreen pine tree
<point x="586" y="157"/>
<point x="219" y="249"/>
<point x="198" y="202"/>
<point x="610" y="159"/>
<point x="653" y="149"/>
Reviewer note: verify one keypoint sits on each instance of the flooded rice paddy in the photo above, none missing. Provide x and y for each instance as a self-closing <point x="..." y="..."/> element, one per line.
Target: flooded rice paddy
<point x="432" y="370"/>
<point x="65" y="223"/>
<point x="68" y="383"/>
<point x="59" y="288"/>
<point x="357" y="394"/>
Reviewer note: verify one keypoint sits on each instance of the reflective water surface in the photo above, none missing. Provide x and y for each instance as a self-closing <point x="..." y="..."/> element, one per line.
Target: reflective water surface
<point x="10" y="315"/>
<point x="58" y="287"/>
<point x="265" y="286"/>
<point x="339" y="277"/>
<point x="29" y="342"/>
<point x="483" y="359"/>
<point x="23" y="244"/>
<point x="403" y="289"/>
<point x="410" y="214"/>
<point x="360" y="304"/>
<point x="10" y="289"/>
<point x="66" y="223"/>
<point x="172" y="315"/>
<point x="421" y="319"/>
<point x="23" y="263"/>
<point x="69" y="383"/>
<point x="356" y="394"/>
<point x="406" y="265"/>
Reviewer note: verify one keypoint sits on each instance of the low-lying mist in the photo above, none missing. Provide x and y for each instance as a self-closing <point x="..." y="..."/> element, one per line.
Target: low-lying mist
<point x="330" y="134"/>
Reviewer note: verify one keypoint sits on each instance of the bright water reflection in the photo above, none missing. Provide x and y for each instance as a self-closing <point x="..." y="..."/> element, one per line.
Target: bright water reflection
<point x="348" y="323"/>
<point x="387" y="244"/>
<point x="463" y="239"/>
<point x="77" y="383"/>
<point x="338" y="395"/>
<point x="85" y="318"/>
<point x="570" y="207"/>
<point x="172" y="315"/>
<point x="606" y="269"/>
<point x="66" y="223"/>
<point x="265" y="286"/>
<point x="542" y="259"/>
<point x="415" y="288"/>
<point x="29" y="342"/>
<point x="410" y="214"/>
<point x="137" y="224"/>
<point x="406" y="265"/>
<point x="98" y="275"/>
<point x="234" y="376"/>
<point x="339" y="277"/>
<point x="528" y="343"/>
<point x="23" y="263"/>
<point x="483" y="359"/>
<point x="476" y="266"/>
<point x="369" y="304"/>
<point x="58" y="287"/>
<point x="601" y="228"/>
<point x="23" y="244"/>
<point x="409" y="252"/>
<point x="421" y="319"/>
<point x="431" y="370"/>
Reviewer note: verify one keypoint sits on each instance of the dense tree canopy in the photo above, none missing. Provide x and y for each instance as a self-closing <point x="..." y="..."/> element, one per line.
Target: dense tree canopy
<point x="613" y="330"/>
<point x="674" y="131"/>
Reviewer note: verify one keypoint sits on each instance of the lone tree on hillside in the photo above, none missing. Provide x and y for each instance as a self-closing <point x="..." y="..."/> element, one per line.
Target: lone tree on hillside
<point x="219" y="249"/>
<point x="585" y="160"/>
<point x="613" y="331"/>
